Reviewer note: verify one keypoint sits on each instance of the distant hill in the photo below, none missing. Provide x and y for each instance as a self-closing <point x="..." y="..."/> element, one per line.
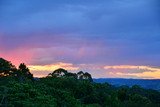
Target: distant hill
<point x="145" y="83"/>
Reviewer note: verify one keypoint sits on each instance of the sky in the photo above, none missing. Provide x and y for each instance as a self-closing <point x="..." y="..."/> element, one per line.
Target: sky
<point x="107" y="38"/>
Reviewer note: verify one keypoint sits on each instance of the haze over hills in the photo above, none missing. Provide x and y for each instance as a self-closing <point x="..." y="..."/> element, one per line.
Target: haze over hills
<point x="145" y="83"/>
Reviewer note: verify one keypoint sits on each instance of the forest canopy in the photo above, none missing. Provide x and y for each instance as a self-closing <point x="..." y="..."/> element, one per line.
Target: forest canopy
<point x="61" y="88"/>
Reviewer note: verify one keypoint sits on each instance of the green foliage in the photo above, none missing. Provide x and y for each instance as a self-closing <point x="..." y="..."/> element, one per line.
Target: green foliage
<point x="122" y="94"/>
<point x="70" y="92"/>
<point x="65" y="89"/>
<point x="136" y="98"/>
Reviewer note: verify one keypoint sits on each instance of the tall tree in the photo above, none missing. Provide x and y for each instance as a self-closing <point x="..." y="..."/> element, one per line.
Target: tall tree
<point x="81" y="75"/>
<point x="58" y="73"/>
<point x="88" y="76"/>
<point x="69" y="74"/>
<point x="6" y="68"/>
<point x="23" y="72"/>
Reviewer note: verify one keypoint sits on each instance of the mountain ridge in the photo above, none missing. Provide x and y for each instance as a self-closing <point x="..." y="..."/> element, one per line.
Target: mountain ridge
<point x="145" y="83"/>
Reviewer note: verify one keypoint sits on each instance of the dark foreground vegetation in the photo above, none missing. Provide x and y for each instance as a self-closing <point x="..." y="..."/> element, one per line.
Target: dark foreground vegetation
<point x="18" y="88"/>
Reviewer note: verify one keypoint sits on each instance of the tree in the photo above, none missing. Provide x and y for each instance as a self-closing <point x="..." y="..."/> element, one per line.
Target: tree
<point x="122" y="94"/>
<point x="136" y="98"/>
<point x="80" y="75"/>
<point x="6" y="68"/>
<point x="23" y="73"/>
<point x="69" y="74"/>
<point x="86" y="76"/>
<point x="58" y="73"/>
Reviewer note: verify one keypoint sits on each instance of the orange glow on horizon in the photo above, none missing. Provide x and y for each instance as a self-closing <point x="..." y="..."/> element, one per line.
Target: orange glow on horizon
<point x="145" y="72"/>
<point x="44" y="70"/>
<point x="51" y="67"/>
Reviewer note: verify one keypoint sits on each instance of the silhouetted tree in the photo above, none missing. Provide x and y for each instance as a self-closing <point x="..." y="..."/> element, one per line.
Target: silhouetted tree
<point x="23" y="72"/>
<point x="58" y="73"/>
<point x="69" y="74"/>
<point x="86" y="76"/>
<point x="6" y="68"/>
<point x="80" y="75"/>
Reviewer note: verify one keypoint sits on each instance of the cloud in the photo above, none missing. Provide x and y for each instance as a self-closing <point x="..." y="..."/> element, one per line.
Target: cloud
<point x="134" y="71"/>
<point x="93" y="33"/>
<point x="17" y="56"/>
<point x="44" y="70"/>
<point x="67" y="66"/>
<point x="143" y="75"/>
<point x="97" y="71"/>
<point x="132" y="67"/>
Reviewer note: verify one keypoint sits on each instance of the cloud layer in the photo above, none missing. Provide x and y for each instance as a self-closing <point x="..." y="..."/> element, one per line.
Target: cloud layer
<point x="90" y="32"/>
<point x="118" y="71"/>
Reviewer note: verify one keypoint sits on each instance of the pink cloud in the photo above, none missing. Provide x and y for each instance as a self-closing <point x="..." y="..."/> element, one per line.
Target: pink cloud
<point x="17" y="56"/>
